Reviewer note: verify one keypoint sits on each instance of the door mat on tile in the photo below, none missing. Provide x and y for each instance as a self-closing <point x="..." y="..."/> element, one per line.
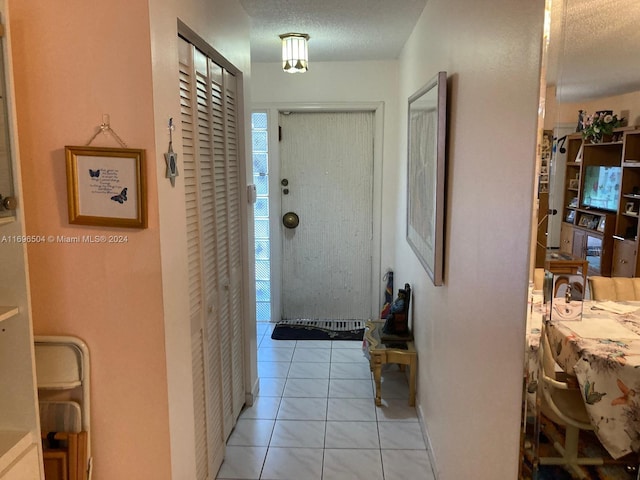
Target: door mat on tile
<point x="300" y="329"/>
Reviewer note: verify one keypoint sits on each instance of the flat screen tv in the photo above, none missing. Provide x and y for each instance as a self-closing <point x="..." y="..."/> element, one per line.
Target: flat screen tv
<point x="601" y="187"/>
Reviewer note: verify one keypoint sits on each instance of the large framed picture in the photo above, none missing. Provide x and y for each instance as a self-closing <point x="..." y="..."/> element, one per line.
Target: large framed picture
<point x="106" y="186"/>
<point x="427" y="128"/>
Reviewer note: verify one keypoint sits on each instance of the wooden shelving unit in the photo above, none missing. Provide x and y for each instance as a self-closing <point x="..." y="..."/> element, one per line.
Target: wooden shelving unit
<point x="606" y="237"/>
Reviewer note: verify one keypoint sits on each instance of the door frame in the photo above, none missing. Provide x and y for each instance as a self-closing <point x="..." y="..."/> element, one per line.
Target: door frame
<point x="557" y="179"/>
<point x="273" y="111"/>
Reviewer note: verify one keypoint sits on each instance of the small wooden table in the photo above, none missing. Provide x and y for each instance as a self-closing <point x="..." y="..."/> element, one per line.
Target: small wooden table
<point x="382" y="349"/>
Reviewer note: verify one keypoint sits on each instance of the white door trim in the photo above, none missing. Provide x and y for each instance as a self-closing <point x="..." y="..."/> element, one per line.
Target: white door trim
<point x="273" y="110"/>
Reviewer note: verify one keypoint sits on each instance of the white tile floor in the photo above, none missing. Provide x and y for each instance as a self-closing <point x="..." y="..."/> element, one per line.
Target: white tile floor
<point x="315" y="418"/>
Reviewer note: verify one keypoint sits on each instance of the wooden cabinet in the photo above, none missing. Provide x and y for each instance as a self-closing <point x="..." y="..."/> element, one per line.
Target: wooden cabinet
<point x="624" y="258"/>
<point x="572" y="178"/>
<point x="595" y="248"/>
<point x="602" y="203"/>
<point x="627" y="226"/>
<point x="566" y="238"/>
<point x="20" y="445"/>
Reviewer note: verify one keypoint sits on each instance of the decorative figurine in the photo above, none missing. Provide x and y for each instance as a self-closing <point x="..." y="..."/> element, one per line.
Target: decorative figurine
<point x="397" y="321"/>
<point x="580" y="126"/>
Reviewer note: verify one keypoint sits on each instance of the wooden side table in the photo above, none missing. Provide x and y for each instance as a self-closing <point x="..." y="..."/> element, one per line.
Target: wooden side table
<point x="382" y="349"/>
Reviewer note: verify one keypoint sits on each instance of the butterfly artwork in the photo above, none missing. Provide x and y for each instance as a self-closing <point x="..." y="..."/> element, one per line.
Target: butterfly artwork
<point x="94" y="173"/>
<point x="627" y="394"/>
<point x="121" y="197"/>
<point x="591" y="397"/>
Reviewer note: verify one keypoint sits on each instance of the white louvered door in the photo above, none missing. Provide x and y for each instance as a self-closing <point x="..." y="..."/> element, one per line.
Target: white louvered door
<point x="211" y="176"/>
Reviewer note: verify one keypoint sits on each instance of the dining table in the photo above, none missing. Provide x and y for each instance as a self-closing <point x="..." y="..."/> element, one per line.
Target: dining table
<point x="602" y="350"/>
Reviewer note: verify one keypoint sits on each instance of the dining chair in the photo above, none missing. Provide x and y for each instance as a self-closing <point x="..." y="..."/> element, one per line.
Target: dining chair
<point x="538" y="278"/>
<point x="561" y="402"/>
<point x="617" y="289"/>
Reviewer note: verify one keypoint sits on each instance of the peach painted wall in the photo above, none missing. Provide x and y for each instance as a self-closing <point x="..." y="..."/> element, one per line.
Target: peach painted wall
<point x="75" y="61"/>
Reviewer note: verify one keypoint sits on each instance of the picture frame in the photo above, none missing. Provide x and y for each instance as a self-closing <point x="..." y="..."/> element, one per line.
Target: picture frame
<point x="630" y="208"/>
<point x="585" y="220"/>
<point x="426" y="175"/>
<point x="578" y="158"/>
<point x="571" y="215"/>
<point x="602" y="223"/>
<point x="573" y="183"/>
<point x="106" y="186"/>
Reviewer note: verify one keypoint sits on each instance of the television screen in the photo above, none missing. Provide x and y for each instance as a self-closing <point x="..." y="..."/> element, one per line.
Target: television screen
<point x="601" y="187"/>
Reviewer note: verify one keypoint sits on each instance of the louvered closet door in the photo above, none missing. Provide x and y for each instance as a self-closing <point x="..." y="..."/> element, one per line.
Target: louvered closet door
<point x="229" y="253"/>
<point x="212" y="211"/>
<point x="207" y="385"/>
<point x="228" y="244"/>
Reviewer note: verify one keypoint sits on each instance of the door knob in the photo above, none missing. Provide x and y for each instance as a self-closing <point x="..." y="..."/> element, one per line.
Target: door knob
<point x="9" y="203"/>
<point x="290" y="220"/>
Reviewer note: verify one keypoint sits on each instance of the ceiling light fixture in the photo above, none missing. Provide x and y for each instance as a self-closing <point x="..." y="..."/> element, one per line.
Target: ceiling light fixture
<point x="295" y="52"/>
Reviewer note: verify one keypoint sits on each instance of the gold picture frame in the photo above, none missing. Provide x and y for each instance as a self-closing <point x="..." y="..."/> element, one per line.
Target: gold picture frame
<point x="106" y="186"/>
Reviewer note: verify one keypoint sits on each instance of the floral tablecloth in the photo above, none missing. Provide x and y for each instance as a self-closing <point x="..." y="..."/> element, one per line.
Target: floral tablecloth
<point x="603" y="352"/>
<point x="532" y="362"/>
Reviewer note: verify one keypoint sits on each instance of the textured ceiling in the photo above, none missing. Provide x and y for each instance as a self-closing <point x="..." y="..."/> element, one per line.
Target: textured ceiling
<point x="594" y="46"/>
<point x="340" y="30"/>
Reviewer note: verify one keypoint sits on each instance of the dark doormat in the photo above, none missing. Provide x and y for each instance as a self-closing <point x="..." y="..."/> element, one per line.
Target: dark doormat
<point x="318" y="330"/>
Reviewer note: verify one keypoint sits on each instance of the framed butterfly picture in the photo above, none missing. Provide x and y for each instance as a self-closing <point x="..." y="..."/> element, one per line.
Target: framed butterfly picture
<point x="106" y="186"/>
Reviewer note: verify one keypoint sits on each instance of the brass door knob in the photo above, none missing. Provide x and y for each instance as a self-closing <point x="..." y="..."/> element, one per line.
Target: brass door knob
<point x="290" y="220"/>
<point x="10" y="203"/>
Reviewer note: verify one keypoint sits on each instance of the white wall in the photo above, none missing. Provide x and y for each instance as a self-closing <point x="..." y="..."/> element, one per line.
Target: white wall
<point x="343" y="83"/>
<point x="469" y="333"/>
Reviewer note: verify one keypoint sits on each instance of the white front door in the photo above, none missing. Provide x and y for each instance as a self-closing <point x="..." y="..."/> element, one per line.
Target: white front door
<point x="326" y="179"/>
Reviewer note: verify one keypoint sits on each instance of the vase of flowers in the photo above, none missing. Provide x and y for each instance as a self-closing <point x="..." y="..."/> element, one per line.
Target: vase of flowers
<point x="595" y="127"/>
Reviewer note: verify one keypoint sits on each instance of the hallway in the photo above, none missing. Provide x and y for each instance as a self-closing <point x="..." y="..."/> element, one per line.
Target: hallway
<point x="315" y="418"/>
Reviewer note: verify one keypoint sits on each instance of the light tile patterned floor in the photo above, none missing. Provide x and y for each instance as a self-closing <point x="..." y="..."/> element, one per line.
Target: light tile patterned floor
<point x="315" y="418"/>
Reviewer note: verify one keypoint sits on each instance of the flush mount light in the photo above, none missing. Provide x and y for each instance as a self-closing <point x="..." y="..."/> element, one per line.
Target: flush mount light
<point x="295" y="53"/>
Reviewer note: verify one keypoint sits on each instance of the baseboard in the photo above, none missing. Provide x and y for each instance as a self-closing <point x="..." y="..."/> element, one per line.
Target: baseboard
<point x="425" y="434"/>
<point x="249" y="397"/>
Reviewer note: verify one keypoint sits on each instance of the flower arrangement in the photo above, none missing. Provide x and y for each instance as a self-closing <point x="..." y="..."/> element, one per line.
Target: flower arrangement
<point x="601" y="123"/>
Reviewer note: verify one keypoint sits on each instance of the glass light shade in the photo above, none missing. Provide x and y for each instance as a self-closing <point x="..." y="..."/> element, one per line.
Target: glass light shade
<point x="295" y="52"/>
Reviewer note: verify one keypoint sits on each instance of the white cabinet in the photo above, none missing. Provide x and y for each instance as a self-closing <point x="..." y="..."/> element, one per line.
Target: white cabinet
<point x="19" y="424"/>
<point x="20" y="445"/>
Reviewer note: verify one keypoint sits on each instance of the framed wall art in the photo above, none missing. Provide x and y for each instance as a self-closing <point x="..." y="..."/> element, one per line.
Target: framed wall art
<point x="427" y="128"/>
<point x="106" y="186"/>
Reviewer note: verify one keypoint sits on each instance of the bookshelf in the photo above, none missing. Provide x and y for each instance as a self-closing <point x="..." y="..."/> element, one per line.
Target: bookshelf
<point x="602" y="202"/>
